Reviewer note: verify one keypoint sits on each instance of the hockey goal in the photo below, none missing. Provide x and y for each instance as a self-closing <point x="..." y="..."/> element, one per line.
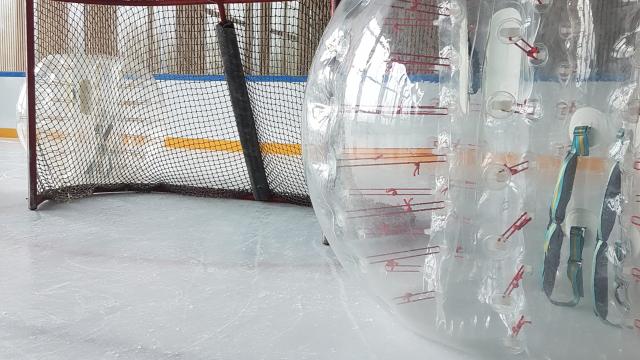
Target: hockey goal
<point x="187" y="96"/>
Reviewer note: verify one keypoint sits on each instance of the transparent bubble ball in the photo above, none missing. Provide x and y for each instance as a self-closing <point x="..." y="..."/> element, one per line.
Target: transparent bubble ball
<point x="424" y="127"/>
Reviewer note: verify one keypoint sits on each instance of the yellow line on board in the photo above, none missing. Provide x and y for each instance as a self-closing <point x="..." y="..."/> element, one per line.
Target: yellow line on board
<point x="544" y="162"/>
<point x="8" y="133"/>
<point x="281" y="149"/>
<point x="230" y="146"/>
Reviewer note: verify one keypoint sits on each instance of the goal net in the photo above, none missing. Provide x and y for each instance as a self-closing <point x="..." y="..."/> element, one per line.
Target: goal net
<point x="135" y="97"/>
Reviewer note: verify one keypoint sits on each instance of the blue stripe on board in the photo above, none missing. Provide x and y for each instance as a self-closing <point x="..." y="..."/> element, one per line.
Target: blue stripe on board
<point x="424" y="78"/>
<point x="251" y="78"/>
<point x="301" y="79"/>
<point x="181" y="77"/>
<point x="430" y="78"/>
<point x="277" y="78"/>
<point x="13" y="74"/>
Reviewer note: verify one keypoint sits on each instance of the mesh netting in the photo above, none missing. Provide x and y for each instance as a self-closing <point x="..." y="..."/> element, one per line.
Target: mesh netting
<point x="285" y="45"/>
<point x="134" y="98"/>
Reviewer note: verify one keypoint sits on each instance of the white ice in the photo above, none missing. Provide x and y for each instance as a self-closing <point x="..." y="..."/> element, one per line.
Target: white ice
<point x="146" y="276"/>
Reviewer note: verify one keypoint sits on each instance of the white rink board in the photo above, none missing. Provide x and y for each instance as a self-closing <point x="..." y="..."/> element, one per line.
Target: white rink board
<point x="10" y="90"/>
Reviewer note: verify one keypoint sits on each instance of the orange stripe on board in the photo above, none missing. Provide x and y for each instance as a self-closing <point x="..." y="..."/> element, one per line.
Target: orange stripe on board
<point x="202" y="144"/>
<point x="389" y="152"/>
<point x="281" y="149"/>
<point x="589" y="164"/>
<point x="8" y="133"/>
<point x="230" y="146"/>
<point x="553" y="163"/>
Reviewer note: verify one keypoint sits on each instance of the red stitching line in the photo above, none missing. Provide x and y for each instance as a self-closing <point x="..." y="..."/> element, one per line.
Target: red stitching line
<point x="515" y="330"/>
<point x="518" y="225"/>
<point x="515" y="282"/>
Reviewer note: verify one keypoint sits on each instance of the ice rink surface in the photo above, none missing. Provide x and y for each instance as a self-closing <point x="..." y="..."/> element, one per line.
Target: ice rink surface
<point x="146" y="276"/>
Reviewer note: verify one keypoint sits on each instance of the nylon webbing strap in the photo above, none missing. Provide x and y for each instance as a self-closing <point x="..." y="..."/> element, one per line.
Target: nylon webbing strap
<point x="601" y="261"/>
<point x="608" y="215"/>
<point x="574" y="266"/>
<point x="554" y="235"/>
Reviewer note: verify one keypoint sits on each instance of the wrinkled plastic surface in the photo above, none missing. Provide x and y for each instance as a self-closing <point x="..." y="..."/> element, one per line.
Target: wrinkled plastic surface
<point x="474" y="164"/>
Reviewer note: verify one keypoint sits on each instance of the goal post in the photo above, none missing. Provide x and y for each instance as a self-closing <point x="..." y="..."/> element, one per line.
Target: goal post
<point x="186" y="96"/>
<point x="241" y="104"/>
